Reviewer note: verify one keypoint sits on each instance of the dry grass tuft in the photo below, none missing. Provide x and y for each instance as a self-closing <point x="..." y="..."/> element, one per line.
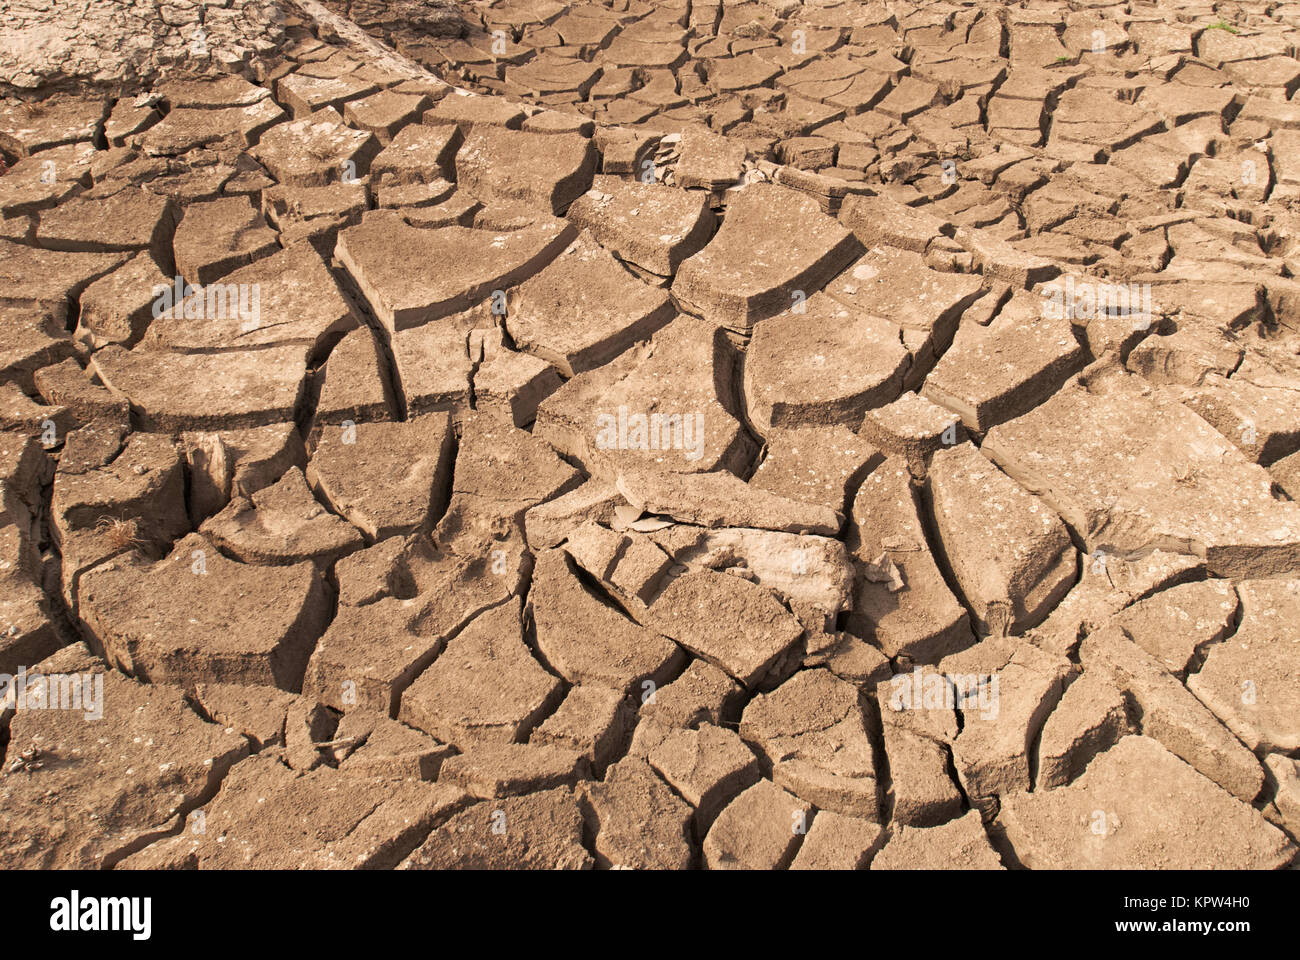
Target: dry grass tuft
<point x="121" y="534"/>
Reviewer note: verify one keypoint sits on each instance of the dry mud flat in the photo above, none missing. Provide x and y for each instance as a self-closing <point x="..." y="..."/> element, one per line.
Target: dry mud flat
<point x="673" y="435"/>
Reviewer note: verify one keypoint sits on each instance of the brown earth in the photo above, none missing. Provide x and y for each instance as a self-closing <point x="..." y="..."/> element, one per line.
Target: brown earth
<point x="727" y="434"/>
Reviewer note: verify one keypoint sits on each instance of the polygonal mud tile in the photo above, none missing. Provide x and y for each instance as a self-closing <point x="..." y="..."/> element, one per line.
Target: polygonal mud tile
<point x="544" y="171"/>
<point x="589" y="641"/>
<point x="734" y="624"/>
<point x="594" y="720"/>
<point x="992" y="374"/>
<point x="1091" y="717"/>
<point x="1117" y="816"/>
<point x="40" y="182"/>
<point x="808" y="571"/>
<point x="707" y="767"/>
<point x="818" y="465"/>
<point x="289" y="297"/>
<point x="222" y="391"/>
<point x="45" y="280"/>
<point x="1178" y="626"/>
<point x="354" y="382"/>
<point x="584" y="309"/>
<point x="485" y="686"/>
<point x="130" y="219"/>
<point x="509" y="769"/>
<point x="258" y="712"/>
<point x="720" y="499"/>
<point x="637" y="820"/>
<point x="26" y="128"/>
<point x="1172" y="714"/>
<point x="282" y="524"/>
<point x="836" y="842"/>
<point x="119" y="307"/>
<point x="542" y="831"/>
<point x="960" y="844"/>
<point x="232" y="623"/>
<point x="445" y="270"/>
<point x="1245" y="679"/>
<point x="774" y="245"/>
<point x="822" y="364"/>
<point x="666" y="405"/>
<point x="230" y="463"/>
<point x="316" y="149"/>
<point x="267" y="815"/>
<point x="902" y="603"/>
<point x="219" y="236"/>
<point x="417" y="154"/>
<point x="1003" y="712"/>
<point x="1128" y="472"/>
<point x="372" y="652"/>
<point x="812" y="731"/>
<point x="1010" y="554"/>
<point x="104" y="788"/>
<point x="761" y="829"/>
<point x="387" y="478"/>
<point x="653" y="226"/>
<point x="375" y="746"/>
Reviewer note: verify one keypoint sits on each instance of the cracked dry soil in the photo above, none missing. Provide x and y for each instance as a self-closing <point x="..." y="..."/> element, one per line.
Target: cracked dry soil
<point x="690" y="434"/>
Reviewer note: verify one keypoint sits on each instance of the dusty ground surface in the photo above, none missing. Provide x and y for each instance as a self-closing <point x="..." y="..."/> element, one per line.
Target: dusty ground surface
<point x="679" y="434"/>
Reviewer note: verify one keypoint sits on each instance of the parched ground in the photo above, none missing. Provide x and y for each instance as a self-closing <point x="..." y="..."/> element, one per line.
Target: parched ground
<point x="672" y="435"/>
